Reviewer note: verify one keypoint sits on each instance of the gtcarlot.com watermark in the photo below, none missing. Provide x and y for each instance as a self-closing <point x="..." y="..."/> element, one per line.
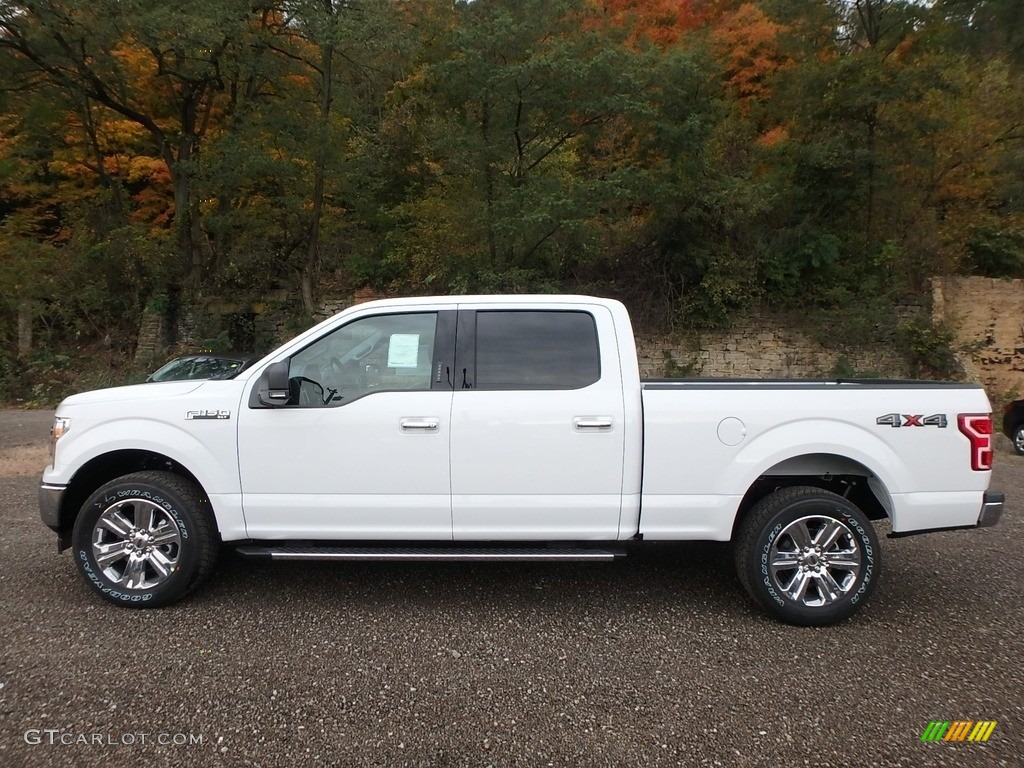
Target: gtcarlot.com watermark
<point x="56" y="736"/>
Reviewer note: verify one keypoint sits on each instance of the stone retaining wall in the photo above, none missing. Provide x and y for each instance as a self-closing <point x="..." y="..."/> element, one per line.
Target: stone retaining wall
<point x="988" y="316"/>
<point x="758" y="349"/>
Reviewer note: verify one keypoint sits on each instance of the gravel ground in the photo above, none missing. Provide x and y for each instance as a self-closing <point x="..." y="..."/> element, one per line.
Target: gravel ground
<point x="656" y="660"/>
<point x="24" y="427"/>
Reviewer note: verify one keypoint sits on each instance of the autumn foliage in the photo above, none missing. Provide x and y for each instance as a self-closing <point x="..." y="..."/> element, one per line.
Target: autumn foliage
<point x="694" y="157"/>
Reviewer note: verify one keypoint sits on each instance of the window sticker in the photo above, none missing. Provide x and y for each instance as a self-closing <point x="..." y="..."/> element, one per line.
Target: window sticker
<point x="403" y="350"/>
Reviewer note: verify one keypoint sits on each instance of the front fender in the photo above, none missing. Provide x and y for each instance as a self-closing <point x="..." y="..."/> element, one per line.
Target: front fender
<point x="208" y="450"/>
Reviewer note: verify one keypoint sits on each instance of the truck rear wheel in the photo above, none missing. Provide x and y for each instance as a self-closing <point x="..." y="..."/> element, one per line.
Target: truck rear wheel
<point x="144" y="540"/>
<point x="808" y="556"/>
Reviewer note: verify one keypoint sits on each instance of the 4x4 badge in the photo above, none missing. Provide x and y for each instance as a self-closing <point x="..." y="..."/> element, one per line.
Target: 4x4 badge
<point x="907" y="420"/>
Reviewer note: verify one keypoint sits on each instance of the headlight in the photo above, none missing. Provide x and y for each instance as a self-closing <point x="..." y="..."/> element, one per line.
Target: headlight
<point x="60" y="427"/>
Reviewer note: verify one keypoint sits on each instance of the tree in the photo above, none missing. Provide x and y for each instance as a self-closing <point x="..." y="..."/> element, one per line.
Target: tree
<point x="156" y="65"/>
<point x="514" y="133"/>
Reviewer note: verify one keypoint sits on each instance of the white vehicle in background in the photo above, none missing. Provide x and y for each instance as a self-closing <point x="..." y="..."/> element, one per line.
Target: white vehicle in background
<point x="508" y="428"/>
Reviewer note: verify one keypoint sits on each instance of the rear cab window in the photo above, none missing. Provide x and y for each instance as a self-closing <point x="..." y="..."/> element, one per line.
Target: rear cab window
<point x="527" y="349"/>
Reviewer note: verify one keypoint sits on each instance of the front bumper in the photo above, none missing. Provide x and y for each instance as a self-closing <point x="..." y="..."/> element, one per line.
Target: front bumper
<point x="51" y="498"/>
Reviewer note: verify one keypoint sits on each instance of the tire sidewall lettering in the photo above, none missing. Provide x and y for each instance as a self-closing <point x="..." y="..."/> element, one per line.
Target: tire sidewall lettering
<point x="790" y="506"/>
<point x="868" y="553"/>
<point x="764" y="576"/>
<point x="138" y="493"/>
<point x="103" y="500"/>
<point x="101" y="584"/>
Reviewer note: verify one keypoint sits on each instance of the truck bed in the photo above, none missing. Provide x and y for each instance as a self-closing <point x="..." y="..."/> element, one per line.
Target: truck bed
<point x="706" y="441"/>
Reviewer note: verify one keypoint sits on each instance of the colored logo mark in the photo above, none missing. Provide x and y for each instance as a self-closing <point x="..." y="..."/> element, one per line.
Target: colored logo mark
<point x="958" y="730"/>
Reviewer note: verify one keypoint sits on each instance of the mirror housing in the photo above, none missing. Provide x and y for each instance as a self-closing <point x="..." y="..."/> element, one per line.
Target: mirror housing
<point x="272" y="388"/>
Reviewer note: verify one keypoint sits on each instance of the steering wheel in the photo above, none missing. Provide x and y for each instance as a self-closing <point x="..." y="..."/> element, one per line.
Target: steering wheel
<point x="349" y="375"/>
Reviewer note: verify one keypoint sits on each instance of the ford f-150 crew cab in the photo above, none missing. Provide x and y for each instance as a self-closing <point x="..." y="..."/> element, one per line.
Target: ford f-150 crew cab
<point x="512" y="427"/>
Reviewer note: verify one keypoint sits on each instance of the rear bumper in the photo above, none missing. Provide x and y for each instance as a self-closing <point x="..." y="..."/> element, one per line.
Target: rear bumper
<point x="991" y="509"/>
<point x="991" y="512"/>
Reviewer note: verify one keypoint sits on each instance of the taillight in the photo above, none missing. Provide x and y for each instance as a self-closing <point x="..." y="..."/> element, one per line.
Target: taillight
<point x="978" y="429"/>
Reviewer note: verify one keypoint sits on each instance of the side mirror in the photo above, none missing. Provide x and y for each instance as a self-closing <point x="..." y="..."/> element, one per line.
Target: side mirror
<point x="272" y="388"/>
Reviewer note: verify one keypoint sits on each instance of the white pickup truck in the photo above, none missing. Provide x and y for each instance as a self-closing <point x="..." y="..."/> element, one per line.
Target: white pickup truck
<point x="508" y="428"/>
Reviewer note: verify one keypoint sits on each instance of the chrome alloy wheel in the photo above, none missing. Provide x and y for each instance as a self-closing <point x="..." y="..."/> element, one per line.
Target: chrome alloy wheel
<point x="815" y="560"/>
<point x="1018" y="440"/>
<point x="136" y="544"/>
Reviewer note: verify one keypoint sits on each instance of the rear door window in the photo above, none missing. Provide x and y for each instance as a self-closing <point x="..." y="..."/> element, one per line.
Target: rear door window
<point x="536" y="350"/>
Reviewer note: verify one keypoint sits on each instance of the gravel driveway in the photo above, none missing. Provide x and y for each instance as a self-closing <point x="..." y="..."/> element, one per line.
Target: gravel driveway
<point x="24" y="427"/>
<point x="656" y="660"/>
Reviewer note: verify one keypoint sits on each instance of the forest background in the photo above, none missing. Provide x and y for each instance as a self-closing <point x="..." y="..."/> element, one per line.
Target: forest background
<point x="697" y="159"/>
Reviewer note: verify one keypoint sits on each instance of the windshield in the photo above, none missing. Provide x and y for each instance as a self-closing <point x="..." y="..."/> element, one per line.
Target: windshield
<point x="199" y="368"/>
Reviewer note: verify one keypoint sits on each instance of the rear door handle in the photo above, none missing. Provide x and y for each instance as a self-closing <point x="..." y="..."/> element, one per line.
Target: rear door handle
<point x="592" y="423"/>
<point x="419" y="425"/>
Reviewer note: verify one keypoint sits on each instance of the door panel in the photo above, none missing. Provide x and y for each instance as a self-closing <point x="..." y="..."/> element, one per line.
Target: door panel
<point x="361" y="451"/>
<point x="537" y="430"/>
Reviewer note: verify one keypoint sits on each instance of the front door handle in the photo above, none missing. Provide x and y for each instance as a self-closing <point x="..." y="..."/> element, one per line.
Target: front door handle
<point x="592" y="423"/>
<point x="419" y="425"/>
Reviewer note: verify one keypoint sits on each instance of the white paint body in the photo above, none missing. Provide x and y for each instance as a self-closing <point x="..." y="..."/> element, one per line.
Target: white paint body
<point x="674" y="462"/>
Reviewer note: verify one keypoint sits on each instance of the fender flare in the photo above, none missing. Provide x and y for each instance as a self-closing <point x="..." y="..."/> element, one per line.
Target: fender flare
<point x="841" y="440"/>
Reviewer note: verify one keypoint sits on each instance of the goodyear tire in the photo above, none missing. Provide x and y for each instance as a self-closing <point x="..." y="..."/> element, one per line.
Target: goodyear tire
<point x="808" y="556"/>
<point x="145" y="540"/>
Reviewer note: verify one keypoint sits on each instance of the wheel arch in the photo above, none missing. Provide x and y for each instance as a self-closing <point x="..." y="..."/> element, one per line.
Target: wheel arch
<point x="833" y="472"/>
<point x="106" y="467"/>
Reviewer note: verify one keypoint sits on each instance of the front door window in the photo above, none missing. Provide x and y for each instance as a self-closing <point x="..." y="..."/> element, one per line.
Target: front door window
<point x="383" y="353"/>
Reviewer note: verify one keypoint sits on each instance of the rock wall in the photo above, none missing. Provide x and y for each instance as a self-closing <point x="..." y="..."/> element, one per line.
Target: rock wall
<point x="152" y="342"/>
<point x="988" y="316"/>
<point x="759" y="349"/>
<point x="331" y="306"/>
<point x="216" y="322"/>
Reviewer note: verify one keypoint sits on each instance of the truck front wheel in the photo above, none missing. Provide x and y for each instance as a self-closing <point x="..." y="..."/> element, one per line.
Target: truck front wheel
<point x="144" y="540"/>
<point x="808" y="556"/>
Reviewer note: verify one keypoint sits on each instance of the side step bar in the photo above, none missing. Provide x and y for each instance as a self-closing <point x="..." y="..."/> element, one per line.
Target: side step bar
<point x="433" y="554"/>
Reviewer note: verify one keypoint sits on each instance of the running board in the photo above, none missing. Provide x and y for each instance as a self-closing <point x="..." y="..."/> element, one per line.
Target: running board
<point x="433" y="554"/>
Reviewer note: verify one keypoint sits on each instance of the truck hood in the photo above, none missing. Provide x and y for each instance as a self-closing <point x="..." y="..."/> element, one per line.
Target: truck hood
<point x="150" y="391"/>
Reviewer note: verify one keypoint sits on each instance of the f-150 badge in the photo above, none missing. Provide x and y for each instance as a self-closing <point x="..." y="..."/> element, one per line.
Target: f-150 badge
<point x="197" y="415"/>
<point x="908" y="420"/>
